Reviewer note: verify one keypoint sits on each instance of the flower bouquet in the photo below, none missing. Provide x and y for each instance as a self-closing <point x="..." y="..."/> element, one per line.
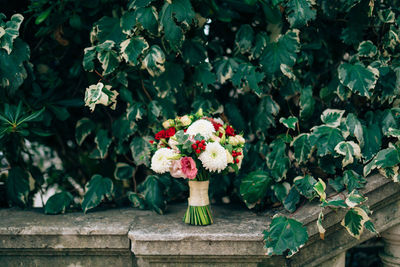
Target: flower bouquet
<point x="194" y="147"/>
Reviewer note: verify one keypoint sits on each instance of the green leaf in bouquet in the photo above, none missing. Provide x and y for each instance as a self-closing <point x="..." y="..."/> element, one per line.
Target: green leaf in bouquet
<point x="17" y="186"/>
<point x="325" y="138"/>
<point x="96" y="189"/>
<point x="103" y="142"/>
<point x="305" y="185"/>
<point x="140" y="149"/>
<point x="284" y="234"/>
<point x="82" y="129"/>
<point x="254" y="186"/>
<point x="283" y="51"/>
<point x="132" y="48"/>
<point x="359" y="79"/>
<point x="123" y="171"/>
<point x="244" y="38"/>
<point x="148" y="18"/>
<point x="154" y="61"/>
<point x="300" y="12"/>
<point x="302" y="148"/>
<point x="58" y="203"/>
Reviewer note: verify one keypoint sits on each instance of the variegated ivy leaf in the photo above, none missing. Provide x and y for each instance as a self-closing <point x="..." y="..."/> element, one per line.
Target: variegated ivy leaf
<point x="319" y="188"/>
<point x="147" y="17"/>
<point x="133" y="4"/>
<point x="123" y="171"/>
<point x="307" y="103"/>
<point x="203" y="75"/>
<point x="332" y="117"/>
<point x="361" y="80"/>
<point x="325" y="138"/>
<point x="348" y="149"/>
<point x="140" y="149"/>
<point x="244" y="38"/>
<point x="281" y="190"/>
<point x="289" y="122"/>
<point x="96" y="189"/>
<point x="283" y="51"/>
<point x="305" y="185"/>
<point x="174" y="13"/>
<point x="393" y="132"/>
<point x="9" y="32"/>
<point x="225" y="68"/>
<point x="284" y="234"/>
<point x="88" y="58"/>
<point x="58" y="203"/>
<point x="355" y="128"/>
<point x="300" y="12"/>
<point x="132" y="48"/>
<point x="302" y="148"/>
<point x="386" y="16"/>
<point x="287" y="71"/>
<point x="320" y="227"/>
<point x="154" y="61"/>
<point x="135" y="112"/>
<point x="335" y="203"/>
<point x="353" y="180"/>
<point x="391" y="173"/>
<point x="355" y="199"/>
<point x="292" y="199"/>
<point x="367" y="49"/>
<point x="82" y="129"/>
<point x="103" y="142"/>
<point x="247" y="76"/>
<point x="254" y="186"/>
<point x="277" y="160"/>
<point x="100" y="94"/>
<point x="354" y="221"/>
<point x="107" y="56"/>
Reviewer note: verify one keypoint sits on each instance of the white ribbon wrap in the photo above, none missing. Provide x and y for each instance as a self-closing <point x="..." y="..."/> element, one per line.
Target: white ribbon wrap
<point x="198" y="193"/>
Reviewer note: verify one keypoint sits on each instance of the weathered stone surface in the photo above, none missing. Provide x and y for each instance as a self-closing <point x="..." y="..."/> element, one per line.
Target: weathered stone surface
<point x="106" y="238"/>
<point x="391" y="254"/>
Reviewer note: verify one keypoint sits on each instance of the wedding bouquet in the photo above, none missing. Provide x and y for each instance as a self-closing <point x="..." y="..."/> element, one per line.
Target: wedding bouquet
<point x="196" y="147"/>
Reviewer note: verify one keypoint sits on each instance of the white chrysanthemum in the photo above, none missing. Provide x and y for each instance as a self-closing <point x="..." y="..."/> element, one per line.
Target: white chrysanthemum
<point x="214" y="157"/>
<point x="162" y="160"/>
<point x="203" y="127"/>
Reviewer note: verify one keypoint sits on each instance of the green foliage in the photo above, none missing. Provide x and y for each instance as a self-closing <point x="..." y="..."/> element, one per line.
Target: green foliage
<point x="313" y="85"/>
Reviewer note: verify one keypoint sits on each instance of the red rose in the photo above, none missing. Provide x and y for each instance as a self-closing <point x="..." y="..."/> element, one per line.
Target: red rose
<point x="216" y="125"/>
<point x="230" y="131"/>
<point x="161" y="134"/>
<point x="170" y="132"/>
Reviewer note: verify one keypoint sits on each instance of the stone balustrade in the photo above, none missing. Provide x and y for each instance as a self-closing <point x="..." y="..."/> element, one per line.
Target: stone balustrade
<point x="130" y="237"/>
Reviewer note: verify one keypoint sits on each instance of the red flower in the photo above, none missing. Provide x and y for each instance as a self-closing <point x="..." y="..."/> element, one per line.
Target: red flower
<point x="151" y="141"/>
<point x="230" y="131"/>
<point x="216" y="125"/>
<point x="160" y="135"/>
<point x="170" y="132"/>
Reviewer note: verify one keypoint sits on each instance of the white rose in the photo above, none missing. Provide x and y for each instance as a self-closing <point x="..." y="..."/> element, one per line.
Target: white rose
<point x="229" y="157"/>
<point x="185" y="120"/>
<point x="215" y="138"/>
<point x="240" y="139"/>
<point x="168" y="123"/>
<point x="233" y="141"/>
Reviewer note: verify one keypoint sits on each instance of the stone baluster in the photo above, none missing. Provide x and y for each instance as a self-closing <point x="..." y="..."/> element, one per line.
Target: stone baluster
<point x="337" y="261"/>
<point x="390" y="255"/>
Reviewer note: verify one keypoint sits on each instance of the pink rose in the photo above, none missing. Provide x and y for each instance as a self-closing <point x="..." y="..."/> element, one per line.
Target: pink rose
<point x="176" y="169"/>
<point x="188" y="167"/>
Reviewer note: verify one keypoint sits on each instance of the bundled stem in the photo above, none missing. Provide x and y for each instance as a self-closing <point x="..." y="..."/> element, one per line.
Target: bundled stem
<point x="198" y="211"/>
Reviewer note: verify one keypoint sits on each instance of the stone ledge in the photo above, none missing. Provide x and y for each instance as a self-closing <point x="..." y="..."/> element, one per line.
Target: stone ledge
<point x="106" y="238"/>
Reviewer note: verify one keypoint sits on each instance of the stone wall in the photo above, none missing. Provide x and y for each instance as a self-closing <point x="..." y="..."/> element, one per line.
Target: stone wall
<point x="130" y="237"/>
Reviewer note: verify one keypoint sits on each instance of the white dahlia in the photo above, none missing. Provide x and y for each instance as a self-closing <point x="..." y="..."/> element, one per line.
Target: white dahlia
<point x="214" y="157"/>
<point x="162" y="160"/>
<point x="203" y="127"/>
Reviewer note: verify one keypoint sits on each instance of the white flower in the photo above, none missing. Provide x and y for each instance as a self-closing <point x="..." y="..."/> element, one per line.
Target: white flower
<point x="185" y="120"/>
<point x="172" y="142"/>
<point x="162" y="160"/>
<point x="168" y="123"/>
<point x="202" y="127"/>
<point x="240" y="139"/>
<point x="233" y="141"/>
<point x="229" y="157"/>
<point x="214" y="157"/>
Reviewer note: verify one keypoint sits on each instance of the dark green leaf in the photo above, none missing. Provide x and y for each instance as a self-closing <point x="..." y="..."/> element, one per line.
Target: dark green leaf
<point x="254" y="186"/>
<point x="58" y="203"/>
<point x="96" y="189"/>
